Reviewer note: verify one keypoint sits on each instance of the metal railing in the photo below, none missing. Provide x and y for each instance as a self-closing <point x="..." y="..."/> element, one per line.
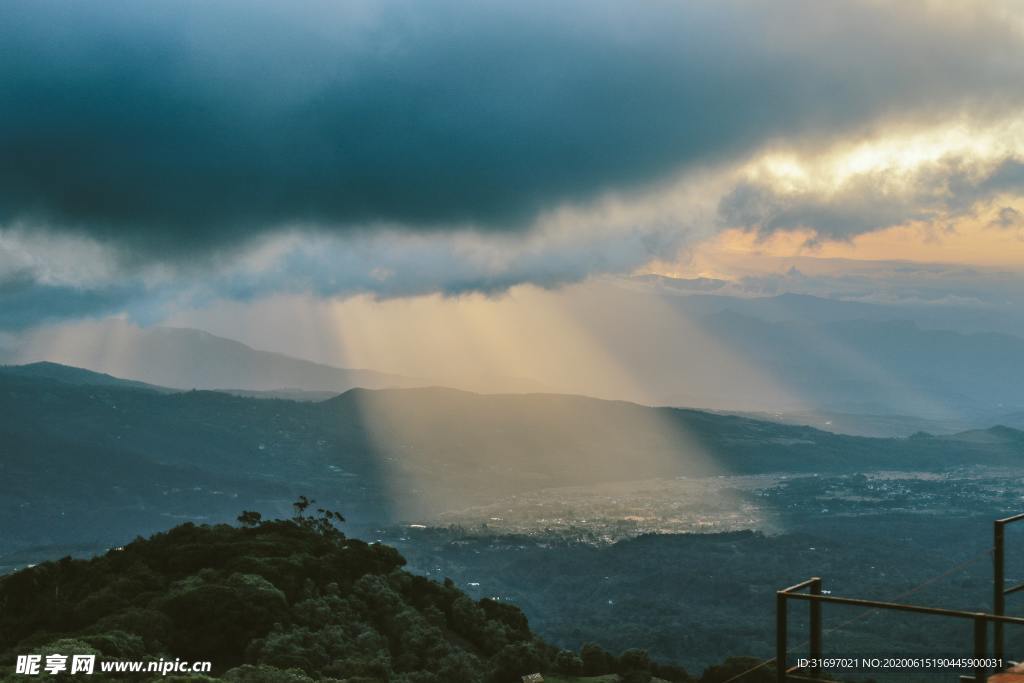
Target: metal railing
<point x="999" y="589"/>
<point x="816" y="598"/>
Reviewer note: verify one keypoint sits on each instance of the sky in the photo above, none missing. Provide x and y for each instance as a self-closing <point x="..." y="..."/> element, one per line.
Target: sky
<point x="404" y="185"/>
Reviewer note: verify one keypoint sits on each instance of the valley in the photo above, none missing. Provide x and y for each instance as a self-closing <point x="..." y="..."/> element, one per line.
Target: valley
<point x="609" y="522"/>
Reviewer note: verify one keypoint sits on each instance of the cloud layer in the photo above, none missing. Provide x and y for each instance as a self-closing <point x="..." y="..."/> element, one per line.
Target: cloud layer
<point x="164" y="154"/>
<point x="940" y="191"/>
<point x="178" y="127"/>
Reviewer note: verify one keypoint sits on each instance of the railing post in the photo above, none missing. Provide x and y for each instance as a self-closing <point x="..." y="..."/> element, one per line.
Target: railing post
<point x="815" y="639"/>
<point x="980" y="632"/>
<point x="998" y="586"/>
<point x="780" y="636"/>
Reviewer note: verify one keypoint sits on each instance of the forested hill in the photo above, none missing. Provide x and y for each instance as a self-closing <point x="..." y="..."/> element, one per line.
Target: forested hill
<point x="66" y="374"/>
<point x="285" y="601"/>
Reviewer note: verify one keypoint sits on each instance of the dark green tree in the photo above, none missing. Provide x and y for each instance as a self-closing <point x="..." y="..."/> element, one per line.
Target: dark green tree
<point x="248" y="518"/>
<point x="595" y="660"/>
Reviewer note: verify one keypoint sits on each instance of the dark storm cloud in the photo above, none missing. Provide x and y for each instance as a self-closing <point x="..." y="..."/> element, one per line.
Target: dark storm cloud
<point x="170" y="127"/>
<point x="25" y="302"/>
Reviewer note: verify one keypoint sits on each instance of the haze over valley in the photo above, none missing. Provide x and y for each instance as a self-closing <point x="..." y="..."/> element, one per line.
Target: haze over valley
<point x="94" y="460"/>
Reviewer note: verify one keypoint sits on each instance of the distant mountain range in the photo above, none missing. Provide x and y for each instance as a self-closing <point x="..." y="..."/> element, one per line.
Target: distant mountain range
<point x="91" y="458"/>
<point x="183" y="358"/>
<point x="707" y="295"/>
<point x="893" y="367"/>
<point x="843" y="366"/>
<point x="802" y="354"/>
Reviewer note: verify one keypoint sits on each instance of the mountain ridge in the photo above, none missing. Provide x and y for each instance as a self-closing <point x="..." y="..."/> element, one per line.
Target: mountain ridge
<point x="71" y="374"/>
<point x="186" y="358"/>
<point x="82" y="458"/>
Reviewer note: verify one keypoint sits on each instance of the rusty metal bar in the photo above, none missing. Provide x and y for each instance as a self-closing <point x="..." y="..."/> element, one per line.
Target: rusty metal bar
<point x="999" y="589"/>
<point x="899" y="607"/>
<point x="998" y="581"/>
<point x="781" y="632"/>
<point x="980" y="647"/>
<point x="1012" y="518"/>
<point x="815" y="627"/>
<point x="801" y="585"/>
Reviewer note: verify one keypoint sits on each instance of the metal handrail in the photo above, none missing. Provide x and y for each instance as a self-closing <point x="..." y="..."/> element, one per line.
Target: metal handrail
<point x="900" y="607"/>
<point x="813" y="584"/>
<point x="816" y="598"/>
<point x="999" y="589"/>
